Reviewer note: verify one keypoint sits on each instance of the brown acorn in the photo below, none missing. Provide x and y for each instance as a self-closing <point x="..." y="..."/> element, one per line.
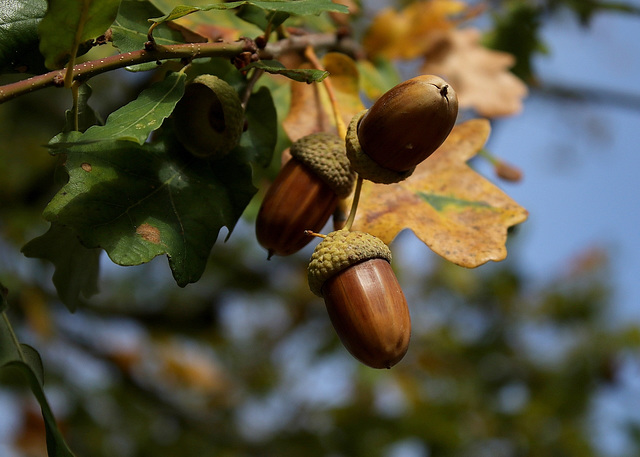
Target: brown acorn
<point x="402" y="128"/>
<point x="351" y="270"/>
<point x="304" y="194"/>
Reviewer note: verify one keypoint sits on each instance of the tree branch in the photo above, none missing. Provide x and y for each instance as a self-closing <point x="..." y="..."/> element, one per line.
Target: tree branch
<point x="86" y="70"/>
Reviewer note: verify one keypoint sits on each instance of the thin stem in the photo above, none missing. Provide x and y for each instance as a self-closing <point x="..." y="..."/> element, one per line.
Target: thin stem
<point x="75" y="90"/>
<point x="312" y="233"/>
<point x="13" y="336"/>
<point x="354" y="204"/>
<point x="484" y="152"/>
<point x="255" y="76"/>
<point x="68" y="76"/>
<point x="310" y="54"/>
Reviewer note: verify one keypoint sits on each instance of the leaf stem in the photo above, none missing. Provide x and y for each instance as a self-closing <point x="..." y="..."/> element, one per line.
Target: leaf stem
<point x="13" y="336"/>
<point x="354" y="204"/>
<point x="255" y="76"/>
<point x="310" y="54"/>
<point x="75" y="88"/>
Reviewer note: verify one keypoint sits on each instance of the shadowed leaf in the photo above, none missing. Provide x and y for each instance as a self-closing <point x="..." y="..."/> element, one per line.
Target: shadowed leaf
<point x="137" y="119"/>
<point x="67" y="25"/>
<point x="299" y="7"/>
<point x="27" y="360"/>
<point x="76" y="267"/>
<point x="140" y="201"/>
<point x="19" y="36"/>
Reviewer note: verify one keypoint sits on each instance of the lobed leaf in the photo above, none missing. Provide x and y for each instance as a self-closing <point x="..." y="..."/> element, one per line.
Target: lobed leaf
<point x="76" y="267"/>
<point x="480" y="76"/>
<point x="140" y="201"/>
<point x="87" y="116"/>
<point x="456" y="212"/>
<point x="67" y="25"/>
<point x="298" y="7"/>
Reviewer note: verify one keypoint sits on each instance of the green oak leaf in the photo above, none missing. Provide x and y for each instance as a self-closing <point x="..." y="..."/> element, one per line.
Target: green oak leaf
<point x="140" y="201"/>
<point x="76" y="267"/>
<point x="298" y="7"/>
<point x="69" y="24"/>
<point x="517" y="31"/>
<point x="129" y="30"/>
<point x="258" y="142"/>
<point x="19" y="41"/>
<point x="305" y="75"/>
<point x="27" y="360"/>
<point x="263" y="19"/>
<point x="137" y="119"/>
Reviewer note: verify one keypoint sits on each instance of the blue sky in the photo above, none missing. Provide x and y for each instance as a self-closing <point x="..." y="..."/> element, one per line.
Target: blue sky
<point x="581" y="157"/>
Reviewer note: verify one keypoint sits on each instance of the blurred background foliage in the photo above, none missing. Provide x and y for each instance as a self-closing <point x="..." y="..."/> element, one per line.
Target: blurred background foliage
<point x="245" y="362"/>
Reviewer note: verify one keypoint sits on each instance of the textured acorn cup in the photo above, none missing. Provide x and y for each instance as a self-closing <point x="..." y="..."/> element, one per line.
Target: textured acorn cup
<point x="351" y="270"/>
<point x="402" y="128"/>
<point x="304" y="194"/>
<point x="209" y="118"/>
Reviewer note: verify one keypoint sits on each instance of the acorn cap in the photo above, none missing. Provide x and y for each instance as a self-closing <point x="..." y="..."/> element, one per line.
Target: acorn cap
<point x="209" y="119"/>
<point x="364" y="165"/>
<point x="338" y="251"/>
<point x="324" y="153"/>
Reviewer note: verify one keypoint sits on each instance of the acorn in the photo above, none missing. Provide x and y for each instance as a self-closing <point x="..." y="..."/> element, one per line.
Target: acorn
<point x="304" y="194"/>
<point x="352" y="271"/>
<point x="209" y="118"/>
<point x="402" y="128"/>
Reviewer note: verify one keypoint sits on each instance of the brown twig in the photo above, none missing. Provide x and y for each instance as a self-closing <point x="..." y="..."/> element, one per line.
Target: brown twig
<point x="86" y="70"/>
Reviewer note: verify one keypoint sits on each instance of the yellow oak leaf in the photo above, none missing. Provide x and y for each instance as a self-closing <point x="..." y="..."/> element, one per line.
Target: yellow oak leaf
<point x="411" y="32"/>
<point x="456" y="212"/>
<point x="310" y="110"/>
<point x="480" y="76"/>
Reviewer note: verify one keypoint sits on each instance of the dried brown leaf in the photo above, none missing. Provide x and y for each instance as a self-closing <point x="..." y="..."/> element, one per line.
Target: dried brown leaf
<point x="480" y="76"/>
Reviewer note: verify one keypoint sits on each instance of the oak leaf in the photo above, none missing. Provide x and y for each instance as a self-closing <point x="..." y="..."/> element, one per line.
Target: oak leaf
<point x="411" y="32"/>
<point x="310" y="109"/>
<point x="480" y="76"/>
<point x="456" y="212"/>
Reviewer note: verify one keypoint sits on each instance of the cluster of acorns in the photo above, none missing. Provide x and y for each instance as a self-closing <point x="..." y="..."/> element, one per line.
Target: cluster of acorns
<point x="351" y="270"/>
